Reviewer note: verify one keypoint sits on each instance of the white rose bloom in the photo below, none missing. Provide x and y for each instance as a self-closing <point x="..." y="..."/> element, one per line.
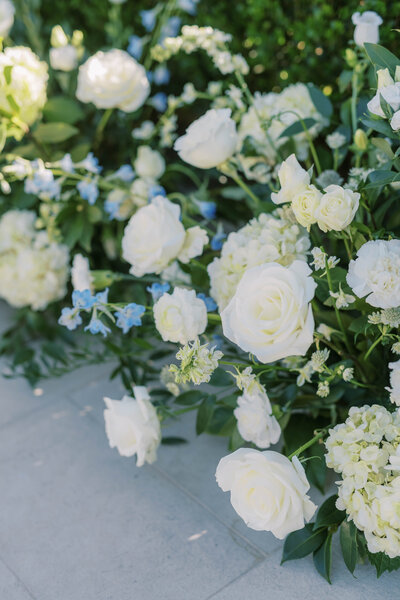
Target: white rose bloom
<point x="132" y="426"/>
<point x="208" y="141"/>
<point x="140" y="192"/>
<point x="28" y="82"/>
<point x="195" y="240"/>
<point x="293" y="179"/>
<point x="395" y="121"/>
<point x="80" y="273"/>
<point x="367" y="27"/>
<point x="375" y="273"/>
<point x="268" y="491"/>
<point x="336" y="209"/>
<point x="180" y="316"/>
<point x="255" y="421"/>
<point x="64" y="58"/>
<point x="149" y="163"/>
<point x="390" y="93"/>
<point x="113" y="79"/>
<point x="153" y="237"/>
<point x="305" y="204"/>
<point x="7" y="11"/>
<point x="270" y="314"/>
<point x="272" y="237"/>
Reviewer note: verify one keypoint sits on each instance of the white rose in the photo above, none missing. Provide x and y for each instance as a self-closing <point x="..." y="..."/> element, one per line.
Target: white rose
<point x="180" y="316"/>
<point x="304" y="205"/>
<point x="390" y="93"/>
<point x="367" y="27"/>
<point x="7" y="11"/>
<point x="153" y="237"/>
<point x="132" y="426"/>
<point x="208" y="141"/>
<point x="255" y="420"/>
<point x="269" y="314"/>
<point x="80" y="273"/>
<point x="336" y="208"/>
<point x="149" y="163"/>
<point x="293" y="179"/>
<point x="268" y="491"/>
<point x="195" y="240"/>
<point x="64" y="58"/>
<point x="376" y="273"/>
<point x="395" y="121"/>
<point x="113" y="79"/>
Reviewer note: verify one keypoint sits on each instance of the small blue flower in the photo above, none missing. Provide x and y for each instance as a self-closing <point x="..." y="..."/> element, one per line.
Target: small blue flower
<point x="112" y="209"/>
<point x="161" y="75"/>
<point x="43" y="184"/>
<point x="88" y="190"/>
<point x="130" y="316"/>
<point x="97" y="326"/>
<point x="83" y="299"/>
<point x="188" y="6"/>
<point x="159" y="101"/>
<point x="70" y="318"/>
<point x="148" y="18"/>
<point x="135" y="46"/>
<point x="90" y="163"/>
<point x="207" y="209"/>
<point x="67" y="164"/>
<point x="217" y="241"/>
<point x="156" y="190"/>
<point x="102" y="297"/>
<point x="157" y="290"/>
<point x="171" y="28"/>
<point x="124" y="173"/>
<point x="208" y="301"/>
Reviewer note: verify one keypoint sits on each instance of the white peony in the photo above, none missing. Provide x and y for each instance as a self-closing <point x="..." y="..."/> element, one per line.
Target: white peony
<point x="80" y="273"/>
<point x="293" y="179"/>
<point x="367" y="27"/>
<point x="113" y="79"/>
<point x="270" y="314"/>
<point x="336" y="208"/>
<point x="149" y="163"/>
<point x="304" y="205"/>
<point x="375" y="273"/>
<point x="27" y="83"/>
<point x="64" y="58"/>
<point x="208" y="141"/>
<point x="268" y="491"/>
<point x="180" y="316"/>
<point x="255" y="421"/>
<point x="132" y="426"/>
<point x="7" y="10"/>
<point x="195" y="240"/>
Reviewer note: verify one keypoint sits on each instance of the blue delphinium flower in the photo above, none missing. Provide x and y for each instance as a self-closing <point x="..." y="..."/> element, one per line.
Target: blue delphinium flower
<point x="157" y="290"/>
<point x="70" y="318"/>
<point x="135" y="46"/>
<point x="83" y="299"/>
<point x="67" y="164"/>
<point x="208" y="301"/>
<point x="112" y="208"/>
<point x="124" y="173"/>
<point x="159" y="101"/>
<point x="217" y="241"/>
<point x="207" y="209"/>
<point x="88" y="190"/>
<point x="129" y="316"/>
<point x="97" y="326"/>
<point x="188" y="6"/>
<point x="148" y="18"/>
<point x="90" y="163"/>
<point x="161" y="75"/>
<point x="101" y="297"/>
<point x="171" y="28"/>
<point x="43" y="184"/>
<point x="156" y="190"/>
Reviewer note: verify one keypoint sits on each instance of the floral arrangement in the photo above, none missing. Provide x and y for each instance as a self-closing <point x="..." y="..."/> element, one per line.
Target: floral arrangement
<point x="236" y="250"/>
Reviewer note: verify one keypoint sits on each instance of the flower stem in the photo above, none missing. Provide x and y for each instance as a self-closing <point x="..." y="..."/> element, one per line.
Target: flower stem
<point x="337" y="312"/>
<point x="371" y="348"/>
<point x="311" y="442"/>
<point x="98" y="136"/>
<point x="237" y="179"/>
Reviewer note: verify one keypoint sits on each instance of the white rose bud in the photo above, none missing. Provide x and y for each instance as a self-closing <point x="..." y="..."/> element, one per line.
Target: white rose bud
<point x="384" y="78"/>
<point x="268" y="491"/>
<point x="367" y="27"/>
<point x="64" y="58"/>
<point x="270" y="315"/>
<point x="391" y="94"/>
<point x="80" y="273"/>
<point x="149" y="163"/>
<point x="7" y="11"/>
<point x="195" y="240"/>
<point x="132" y="426"/>
<point x="337" y="208"/>
<point x="113" y="79"/>
<point x="255" y="421"/>
<point x="304" y="205"/>
<point x="293" y="179"/>
<point x="208" y="141"/>
<point x="180" y="316"/>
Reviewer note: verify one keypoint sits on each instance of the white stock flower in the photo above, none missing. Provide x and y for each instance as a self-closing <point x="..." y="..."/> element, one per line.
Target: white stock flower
<point x="80" y="273"/>
<point x="195" y="240"/>
<point x="293" y="179"/>
<point x="367" y="27"/>
<point x="268" y="491"/>
<point x="255" y="420"/>
<point x="208" y="141"/>
<point x="132" y="426"/>
<point x="113" y="79"/>
<point x="64" y="58"/>
<point x="28" y="82"/>
<point x="342" y="300"/>
<point x="305" y="204"/>
<point x="375" y="273"/>
<point x="198" y="363"/>
<point x="7" y="11"/>
<point x="337" y="207"/>
<point x="149" y="163"/>
<point x="180" y="316"/>
<point x="270" y="314"/>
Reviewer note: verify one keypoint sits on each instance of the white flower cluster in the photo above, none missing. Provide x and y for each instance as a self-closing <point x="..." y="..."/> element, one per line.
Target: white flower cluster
<point x="33" y="269"/>
<point x="394" y="382"/>
<point x="268" y="238"/>
<point x="180" y="316"/>
<point x="198" y="363"/>
<point x="7" y="10"/>
<point x="365" y="450"/>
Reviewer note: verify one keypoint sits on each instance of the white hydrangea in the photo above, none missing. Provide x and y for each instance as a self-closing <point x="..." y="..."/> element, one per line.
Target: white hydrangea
<point x="394" y="382"/>
<point x="255" y="420"/>
<point x="269" y="238"/>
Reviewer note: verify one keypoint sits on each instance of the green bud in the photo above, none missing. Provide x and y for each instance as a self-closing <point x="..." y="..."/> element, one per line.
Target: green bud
<point x="384" y="78"/>
<point x="103" y="279"/>
<point x="361" y="140"/>
<point x="58" y="37"/>
<point x="350" y="57"/>
<point x="77" y="38"/>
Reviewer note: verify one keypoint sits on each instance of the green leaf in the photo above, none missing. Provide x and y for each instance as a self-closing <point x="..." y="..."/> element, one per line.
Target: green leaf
<point x="383" y="563"/>
<point x="14" y="106"/>
<point x="54" y="133"/>
<point x="381" y="57"/>
<point x="320" y="101"/>
<point x="328" y="514"/>
<point x="221" y="422"/>
<point x="380" y="126"/>
<point x="189" y="398"/>
<point x="73" y="230"/>
<point x="323" y="558"/>
<point x="235" y="441"/>
<point x="380" y="178"/>
<point x="302" y="542"/>
<point x="173" y="441"/>
<point x="220" y="378"/>
<point x="7" y="73"/>
<point x="348" y="543"/>
<point x="204" y="414"/>
<point x="63" y="110"/>
<point x="298" y="127"/>
<point x="384" y="146"/>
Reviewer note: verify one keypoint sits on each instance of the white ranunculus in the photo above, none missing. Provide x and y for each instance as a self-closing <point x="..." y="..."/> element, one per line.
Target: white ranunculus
<point x="153" y="237"/>
<point x="293" y="179"/>
<point x="28" y="82"/>
<point x="375" y="273"/>
<point x="195" y="240"/>
<point x="208" y="141"/>
<point x="149" y="163"/>
<point x="255" y="421"/>
<point x="80" y="273"/>
<point x="270" y="314"/>
<point x="7" y="11"/>
<point x="268" y="491"/>
<point x="336" y="208"/>
<point x="113" y="79"/>
<point x="390" y="93"/>
<point x="367" y="27"/>
<point x="64" y="58"/>
<point x="132" y="426"/>
<point x="304" y="205"/>
<point x="180" y="316"/>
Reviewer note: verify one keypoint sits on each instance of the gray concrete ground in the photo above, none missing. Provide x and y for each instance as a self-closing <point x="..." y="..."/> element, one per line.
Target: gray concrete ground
<point x="78" y="522"/>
